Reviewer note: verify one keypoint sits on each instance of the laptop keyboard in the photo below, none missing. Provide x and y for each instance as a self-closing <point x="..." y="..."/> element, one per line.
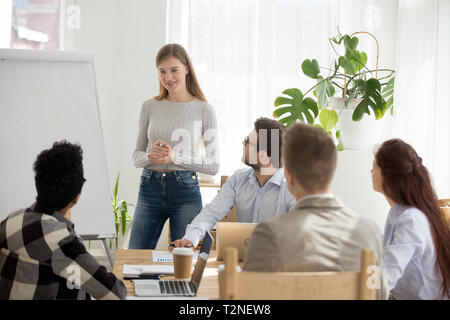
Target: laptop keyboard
<point x="174" y="287"/>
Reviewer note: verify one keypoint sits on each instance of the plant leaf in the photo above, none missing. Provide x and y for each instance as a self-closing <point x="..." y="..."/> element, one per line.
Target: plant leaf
<point x="388" y="94"/>
<point x="123" y="215"/>
<point x="348" y="67"/>
<point x="340" y="146"/>
<point x="297" y="107"/>
<point x="371" y="90"/>
<point x="311" y="68"/>
<point x="353" y="60"/>
<point x="330" y="89"/>
<point x="323" y="92"/>
<point x="356" y="90"/>
<point x="328" y="119"/>
<point x="116" y="188"/>
<point x="117" y="228"/>
<point x="350" y="44"/>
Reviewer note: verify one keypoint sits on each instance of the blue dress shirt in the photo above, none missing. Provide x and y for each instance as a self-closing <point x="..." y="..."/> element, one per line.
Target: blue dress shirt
<point x="410" y="255"/>
<point x="253" y="203"/>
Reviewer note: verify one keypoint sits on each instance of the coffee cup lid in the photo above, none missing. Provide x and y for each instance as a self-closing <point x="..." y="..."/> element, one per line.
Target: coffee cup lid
<point x="183" y="251"/>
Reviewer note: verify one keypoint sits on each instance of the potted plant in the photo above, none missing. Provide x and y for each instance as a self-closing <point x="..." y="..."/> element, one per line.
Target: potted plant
<point x="362" y="93"/>
<point x="122" y="219"/>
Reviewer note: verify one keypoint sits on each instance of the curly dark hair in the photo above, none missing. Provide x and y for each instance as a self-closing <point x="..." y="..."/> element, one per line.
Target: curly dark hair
<point x="58" y="175"/>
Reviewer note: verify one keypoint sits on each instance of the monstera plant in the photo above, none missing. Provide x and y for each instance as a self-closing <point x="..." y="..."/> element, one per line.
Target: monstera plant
<point x="348" y="77"/>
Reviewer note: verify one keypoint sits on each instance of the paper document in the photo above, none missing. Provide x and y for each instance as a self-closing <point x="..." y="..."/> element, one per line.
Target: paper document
<point x="135" y="270"/>
<point x="167" y="256"/>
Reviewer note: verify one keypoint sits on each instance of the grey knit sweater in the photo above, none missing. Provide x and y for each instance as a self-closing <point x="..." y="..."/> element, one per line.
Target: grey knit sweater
<point x="182" y="125"/>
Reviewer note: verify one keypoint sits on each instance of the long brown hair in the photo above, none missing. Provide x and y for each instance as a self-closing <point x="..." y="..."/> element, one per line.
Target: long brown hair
<point x="178" y="52"/>
<point x="406" y="181"/>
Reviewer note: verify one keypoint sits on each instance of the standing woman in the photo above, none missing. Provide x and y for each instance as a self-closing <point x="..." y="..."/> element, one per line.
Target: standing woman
<point x="172" y="127"/>
<point x="416" y="236"/>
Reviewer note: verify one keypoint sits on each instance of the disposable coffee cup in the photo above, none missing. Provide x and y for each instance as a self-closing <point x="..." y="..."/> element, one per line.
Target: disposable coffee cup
<point x="182" y="262"/>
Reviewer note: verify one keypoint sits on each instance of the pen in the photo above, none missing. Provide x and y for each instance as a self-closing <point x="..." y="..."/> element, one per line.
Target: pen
<point x="143" y="276"/>
<point x="188" y="246"/>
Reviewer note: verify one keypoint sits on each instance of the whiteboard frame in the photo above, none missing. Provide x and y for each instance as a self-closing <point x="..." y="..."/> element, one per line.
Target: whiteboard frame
<point x="64" y="56"/>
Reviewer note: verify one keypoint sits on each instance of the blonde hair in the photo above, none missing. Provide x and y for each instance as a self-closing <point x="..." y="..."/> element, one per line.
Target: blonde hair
<point x="178" y="52"/>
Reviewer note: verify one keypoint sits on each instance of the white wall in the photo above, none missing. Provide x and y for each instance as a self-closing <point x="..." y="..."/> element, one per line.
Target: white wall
<point x="124" y="37"/>
<point x="352" y="183"/>
<point x="380" y="17"/>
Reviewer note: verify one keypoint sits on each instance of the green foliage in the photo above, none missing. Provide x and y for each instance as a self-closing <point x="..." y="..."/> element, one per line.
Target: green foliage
<point x="340" y="146"/>
<point x="371" y="90"/>
<point x="296" y="106"/>
<point x="388" y="94"/>
<point x="120" y="208"/>
<point x="353" y="60"/>
<point x="328" y="119"/>
<point x="311" y="68"/>
<point x="351" y="77"/>
<point x="324" y="91"/>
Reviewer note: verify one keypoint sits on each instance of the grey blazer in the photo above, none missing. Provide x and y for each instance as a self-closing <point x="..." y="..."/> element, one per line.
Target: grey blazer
<point x="319" y="234"/>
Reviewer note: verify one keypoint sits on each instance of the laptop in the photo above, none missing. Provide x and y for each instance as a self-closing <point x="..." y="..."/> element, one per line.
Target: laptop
<point x="173" y="287"/>
<point x="233" y="234"/>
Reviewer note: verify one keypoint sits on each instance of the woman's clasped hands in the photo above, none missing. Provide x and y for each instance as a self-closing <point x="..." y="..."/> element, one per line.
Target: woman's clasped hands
<point x="161" y="153"/>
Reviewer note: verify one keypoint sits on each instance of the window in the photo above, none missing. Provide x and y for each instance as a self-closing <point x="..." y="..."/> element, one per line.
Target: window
<point x="245" y="53"/>
<point x="30" y="24"/>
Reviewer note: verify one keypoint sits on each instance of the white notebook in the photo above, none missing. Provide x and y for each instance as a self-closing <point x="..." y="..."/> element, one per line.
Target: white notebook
<point x="131" y="270"/>
<point x="167" y="256"/>
<point x="135" y="270"/>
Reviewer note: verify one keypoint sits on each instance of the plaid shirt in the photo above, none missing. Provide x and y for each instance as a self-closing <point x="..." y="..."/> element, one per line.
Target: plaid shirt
<point x="42" y="257"/>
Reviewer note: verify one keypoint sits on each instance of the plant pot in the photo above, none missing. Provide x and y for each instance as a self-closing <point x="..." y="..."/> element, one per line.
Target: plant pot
<point x="356" y="135"/>
<point x="123" y="240"/>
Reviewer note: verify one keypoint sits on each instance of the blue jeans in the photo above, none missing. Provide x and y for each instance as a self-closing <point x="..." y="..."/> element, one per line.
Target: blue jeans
<point x="162" y="195"/>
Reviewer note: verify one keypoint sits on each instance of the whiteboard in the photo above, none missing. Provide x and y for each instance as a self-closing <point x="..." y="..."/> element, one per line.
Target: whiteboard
<point x="47" y="96"/>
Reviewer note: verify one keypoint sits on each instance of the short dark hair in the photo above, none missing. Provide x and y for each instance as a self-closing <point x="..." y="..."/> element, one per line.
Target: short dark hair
<point x="59" y="175"/>
<point x="310" y="155"/>
<point x="274" y="128"/>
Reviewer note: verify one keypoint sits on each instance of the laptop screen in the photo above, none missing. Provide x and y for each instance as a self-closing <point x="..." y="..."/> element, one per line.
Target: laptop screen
<point x="208" y="241"/>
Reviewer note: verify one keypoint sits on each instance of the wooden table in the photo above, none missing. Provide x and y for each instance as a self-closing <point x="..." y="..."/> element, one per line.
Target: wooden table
<point x="209" y="285"/>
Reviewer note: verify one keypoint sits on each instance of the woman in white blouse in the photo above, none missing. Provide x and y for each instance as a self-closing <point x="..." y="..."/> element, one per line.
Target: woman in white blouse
<point x="416" y="236"/>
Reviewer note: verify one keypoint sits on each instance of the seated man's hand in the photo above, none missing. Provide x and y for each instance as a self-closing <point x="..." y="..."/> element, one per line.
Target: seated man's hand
<point x="180" y="244"/>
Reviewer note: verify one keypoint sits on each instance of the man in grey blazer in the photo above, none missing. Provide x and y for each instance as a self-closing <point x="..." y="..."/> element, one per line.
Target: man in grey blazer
<point x="319" y="233"/>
